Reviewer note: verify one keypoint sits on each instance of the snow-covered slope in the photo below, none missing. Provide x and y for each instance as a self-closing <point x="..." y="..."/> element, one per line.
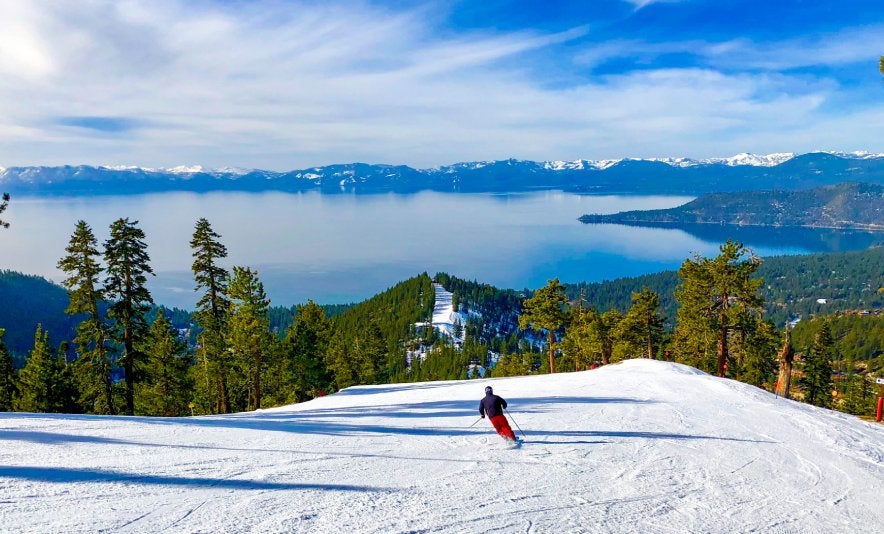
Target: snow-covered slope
<point x="444" y="316"/>
<point x="642" y="446"/>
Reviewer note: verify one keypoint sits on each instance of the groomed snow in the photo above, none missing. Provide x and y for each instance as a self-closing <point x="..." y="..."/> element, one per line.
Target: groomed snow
<point x="641" y="446"/>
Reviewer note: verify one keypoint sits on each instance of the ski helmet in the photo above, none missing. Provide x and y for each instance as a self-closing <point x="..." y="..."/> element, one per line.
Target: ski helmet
<point x="488" y="389"/>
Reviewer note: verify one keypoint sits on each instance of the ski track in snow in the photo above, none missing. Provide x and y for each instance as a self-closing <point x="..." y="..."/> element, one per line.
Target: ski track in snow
<point x="641" y="446"/>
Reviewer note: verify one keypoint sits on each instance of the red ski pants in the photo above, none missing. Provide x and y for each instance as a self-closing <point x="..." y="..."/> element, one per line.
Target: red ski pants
<point x="503" y="427"/>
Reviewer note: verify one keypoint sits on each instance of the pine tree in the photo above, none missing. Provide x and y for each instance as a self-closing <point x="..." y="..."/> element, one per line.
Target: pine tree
<point x="93" y="367"/>
<point x="128" y="263"/>
<point x="8" y="386"/>
<point x="716" y="297"/>
<point x="546" y="310"/>
<point x="43" y="383"/>
<point x="340" y="363"/>
<point x="577" y="344"/>
<point x="307" y="340"/>
<point x="817" y="380"/>
<point x="758" y="364"/>
<point x="642" y="326"/>
<point x="165" y="390"/>
<point x="4" y="203"/>
<point x="248" y="330"/>
<point x="213" y="365"/>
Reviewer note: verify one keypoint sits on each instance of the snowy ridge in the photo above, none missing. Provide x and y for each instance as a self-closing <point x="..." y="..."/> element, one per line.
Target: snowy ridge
<point x="641" y="446"/>
<point x="755" y="160"/>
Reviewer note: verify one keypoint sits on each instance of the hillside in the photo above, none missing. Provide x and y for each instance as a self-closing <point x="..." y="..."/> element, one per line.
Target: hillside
<point x="642" y="446"/>
<point x="26" y="301"/>
<point x="847" y="205"/>
<point x="794" y="285"/>
<point x="744" y="172"/>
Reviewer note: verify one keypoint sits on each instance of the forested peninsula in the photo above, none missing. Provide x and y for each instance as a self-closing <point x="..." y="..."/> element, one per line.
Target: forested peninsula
<point x="849" y="205"/>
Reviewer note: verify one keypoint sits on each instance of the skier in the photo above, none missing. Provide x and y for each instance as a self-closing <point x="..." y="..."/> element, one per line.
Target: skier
<point x="493" y="405"/>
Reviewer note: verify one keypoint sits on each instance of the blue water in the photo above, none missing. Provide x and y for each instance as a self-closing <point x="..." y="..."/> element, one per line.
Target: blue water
<point x="343" y="248"/>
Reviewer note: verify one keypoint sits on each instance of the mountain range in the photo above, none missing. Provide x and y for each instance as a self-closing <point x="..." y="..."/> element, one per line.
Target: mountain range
<point x="652" y="176"/>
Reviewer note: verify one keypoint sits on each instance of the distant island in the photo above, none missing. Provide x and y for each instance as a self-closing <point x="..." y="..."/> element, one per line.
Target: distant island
<point x="851" y="205"/>
<point x="665" y="176"/>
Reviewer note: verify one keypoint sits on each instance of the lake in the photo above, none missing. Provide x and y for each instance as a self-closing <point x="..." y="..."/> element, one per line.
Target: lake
<point x="345" y="248"/>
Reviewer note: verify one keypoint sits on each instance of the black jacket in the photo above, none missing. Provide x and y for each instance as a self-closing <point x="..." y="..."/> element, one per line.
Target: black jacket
<point x="491" y="405"/>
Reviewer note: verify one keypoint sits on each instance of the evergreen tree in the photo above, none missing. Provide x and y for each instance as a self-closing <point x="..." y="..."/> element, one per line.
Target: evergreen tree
<point x="128" y="263"/>
<point x="546" y="310"/>
<point x="4" y="203"/>
<point x="642" y="326"/>
<point x="44" y="384"/>
<point x="717" y="297"/>
<point x="371" y="355"/>
<point x="248" y="331"/>
<point x="8" y="387"/>
<point x="339" y="362"/>
<point x="213" y="365"/>
<point x="307" y="340"/>
<point x="577" y="345"/>
<point x="858" y="398"/>
<point x="759" y="364"/>
<point x="93" y="367"/>
<point x="817" y="380"/>
<point x="516" y="364"/>
<point x="165" y="390"/>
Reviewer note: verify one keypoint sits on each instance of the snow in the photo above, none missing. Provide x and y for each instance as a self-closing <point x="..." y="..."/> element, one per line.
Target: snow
<point x="768" y="160"/>
<point x="184" y="169"/>
<point x="444" y="315"/>
<point x="641" y="446"/>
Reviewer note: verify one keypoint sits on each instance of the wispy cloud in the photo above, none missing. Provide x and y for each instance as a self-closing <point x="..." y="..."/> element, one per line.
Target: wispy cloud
<point x="284" y="85"/>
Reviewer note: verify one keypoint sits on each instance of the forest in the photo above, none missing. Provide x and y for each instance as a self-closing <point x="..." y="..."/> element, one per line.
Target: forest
<point x="107" y="348"/>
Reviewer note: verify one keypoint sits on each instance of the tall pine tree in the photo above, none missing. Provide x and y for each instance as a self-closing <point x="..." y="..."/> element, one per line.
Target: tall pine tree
<point x="717" y="297"/>
<point x="213" y="360"/>
<point x="248" y="331"/>
<point x="817" y="379"/>
<point x="93" y="367"/>
<point x="307" y="340"/>
<point x="642" y="326"/>
<point x="128" y="263"/>
<point x="546" y="311"/>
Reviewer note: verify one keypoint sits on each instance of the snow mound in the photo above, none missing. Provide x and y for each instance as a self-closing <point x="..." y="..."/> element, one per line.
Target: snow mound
<point x="641" y="446"/>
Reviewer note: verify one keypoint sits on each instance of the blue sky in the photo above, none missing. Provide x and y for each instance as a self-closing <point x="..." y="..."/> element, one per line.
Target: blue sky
<point x="283" y="84"/>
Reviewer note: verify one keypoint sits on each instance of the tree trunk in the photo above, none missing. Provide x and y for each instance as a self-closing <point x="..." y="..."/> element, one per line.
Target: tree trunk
<point x="722" y="351"/>
<point x="787" y="354"/>
<point x="129" y="370"/>
<point x="552" y="353"/>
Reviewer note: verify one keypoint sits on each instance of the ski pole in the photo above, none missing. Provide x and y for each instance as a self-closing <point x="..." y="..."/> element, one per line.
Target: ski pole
<point x="514" y="422"/>
<point x="474" y="422"/>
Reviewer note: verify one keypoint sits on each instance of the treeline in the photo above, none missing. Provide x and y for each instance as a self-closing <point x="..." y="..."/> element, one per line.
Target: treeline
<point x="234" y="353"/>
<point x="793" y="286"/>
<point x="719" y="327"/>
<point x="237" y="353"/>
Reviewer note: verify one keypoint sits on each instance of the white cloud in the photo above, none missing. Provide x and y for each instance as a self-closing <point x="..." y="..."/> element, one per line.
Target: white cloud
<point x="286" y="86"/>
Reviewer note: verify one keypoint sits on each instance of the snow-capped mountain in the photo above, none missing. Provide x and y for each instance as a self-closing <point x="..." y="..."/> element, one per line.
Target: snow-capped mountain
<point x="628" y="175"/>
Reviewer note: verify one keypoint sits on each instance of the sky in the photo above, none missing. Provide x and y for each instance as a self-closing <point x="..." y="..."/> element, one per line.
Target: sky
<point x="283" y="85"/>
